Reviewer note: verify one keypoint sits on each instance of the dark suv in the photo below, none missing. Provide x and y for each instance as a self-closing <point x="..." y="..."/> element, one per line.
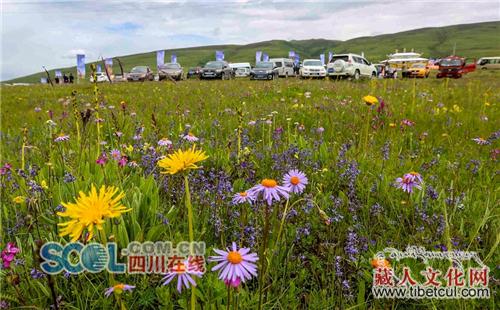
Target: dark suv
<point x="217" y="70"/>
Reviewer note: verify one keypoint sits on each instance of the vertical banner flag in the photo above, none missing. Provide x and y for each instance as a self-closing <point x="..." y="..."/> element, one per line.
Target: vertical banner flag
<point x="219" y="55"/>
<point x="330" y="56"/>
<point x="363" y="54"/>
<point x="258" y="56"/>
<point x="99" y="69"/>
<point x="160" y="58"/>
<point x="173" y="58"/>
<point x="322" y="58"/>
<point x="265" y="56"/>
<point x="291" y="54"/>
<point x="80" y="66"/>
<point x="108" y="63"/>
<point x="43" y="80"/>
<point x="296" y="61"/>
<point x="58" y="73"/>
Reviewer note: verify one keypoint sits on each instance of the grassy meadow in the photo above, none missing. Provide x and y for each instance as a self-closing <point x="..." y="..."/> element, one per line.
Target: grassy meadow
<point x="315" y="248"/>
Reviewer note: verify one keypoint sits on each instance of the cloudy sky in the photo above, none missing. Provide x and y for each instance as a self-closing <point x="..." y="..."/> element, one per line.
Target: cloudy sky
<point x="51" y="32"/>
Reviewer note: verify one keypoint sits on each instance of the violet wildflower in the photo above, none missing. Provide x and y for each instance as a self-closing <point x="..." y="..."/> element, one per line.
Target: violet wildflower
<point x="295" y="180"/>
<point x="8" y="254"/>
<point x="270" y="191"/>
<point x="409" y="181"/>
<point x="118" y="289"/>
<point x="243" y="197"/>
<point x="62" y="137"/>
<point x="235" y="263"/>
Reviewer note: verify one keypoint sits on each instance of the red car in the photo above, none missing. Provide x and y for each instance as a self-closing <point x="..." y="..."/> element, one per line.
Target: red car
<point x="455" y="67"/>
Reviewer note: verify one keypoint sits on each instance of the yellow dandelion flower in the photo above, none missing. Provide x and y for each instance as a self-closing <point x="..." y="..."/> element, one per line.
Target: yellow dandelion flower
<point x="392" y="125"/>
<point x="370" y="100"/>
<point x="43" y="184"/>
<point x="182" y="160"/>
<point x="19" y="199"/>
<point x="89" y="211"/>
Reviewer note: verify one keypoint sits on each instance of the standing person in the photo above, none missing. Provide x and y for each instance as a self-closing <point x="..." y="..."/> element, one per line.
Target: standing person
<point x="71" y="78"/>
<point x="65" y="78"/>
<point x="56" y="79"/>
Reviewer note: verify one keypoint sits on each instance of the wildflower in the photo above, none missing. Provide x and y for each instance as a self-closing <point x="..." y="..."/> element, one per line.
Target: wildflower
<point x="270" y="190"/>
<point x="164" y="142"/>
<point x="380" y="263"/>
<point x="295" y="180"/>
<point x="51" y="123"/>
<point x="118" y="289"/>
<point x="243" y="197"/>
<point x="409" y="181"/>
<point x="8" y="254"/>
<point x="38" y="109"/>
<point x="183" y="274"/>
<point x="233" y="283"/>
<point x="370" y="100"/>
<point x="115" y="154"/>
<point x="5" y="169"/>
<point x="37" y="274"/>
<point x="320" y="130"/>
<point x="182" y="160"/>
<point x="235" y="264"/>
<point x="252" y="123"/>
<point x="19" y="199"/>
<point x="407" y="122"/>
<point x="89" y="211"/>
<point x="68" y="178"/>
<point x="61" y="137"/>
<point x="123" y="161"/>
<point x="392" y="125"/>
<point x="101" y="160"/>
<point x="119" y="134"/>
<point x="481" y="141"/>
<point x="43" y="184"/>
<point x="190" y="137"/>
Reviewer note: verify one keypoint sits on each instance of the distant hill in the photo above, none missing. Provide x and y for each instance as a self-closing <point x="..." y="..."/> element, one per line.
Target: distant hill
<point x="472" y="40"/>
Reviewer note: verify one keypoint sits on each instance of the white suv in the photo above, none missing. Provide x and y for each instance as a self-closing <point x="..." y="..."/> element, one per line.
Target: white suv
<point x="350" y="66"/>
<point x="312" y="68"/>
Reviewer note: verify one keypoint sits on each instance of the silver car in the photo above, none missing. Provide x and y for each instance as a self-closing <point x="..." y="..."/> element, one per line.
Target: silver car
<point x="171" y="70"/>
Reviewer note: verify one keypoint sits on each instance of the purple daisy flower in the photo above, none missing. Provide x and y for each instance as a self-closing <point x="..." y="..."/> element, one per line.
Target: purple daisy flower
<point x="115" y="154"/>
<point x="481" y="141"/>
<point x="190" y="137"/>
<point x="235" y="264"/>
<point x="295" y="180"/>
<point x="409" y="181"/>
<point x="183" y="275"/>
<point x="243" y="197"/>
<point x="270" y="191"/>
<point x="119" y="288"/>
<point x="164" y="142"/>
<point x="61" y="137"/>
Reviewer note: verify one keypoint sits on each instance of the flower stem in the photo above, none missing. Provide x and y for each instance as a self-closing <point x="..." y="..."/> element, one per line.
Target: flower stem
<point x="191" y="231"/>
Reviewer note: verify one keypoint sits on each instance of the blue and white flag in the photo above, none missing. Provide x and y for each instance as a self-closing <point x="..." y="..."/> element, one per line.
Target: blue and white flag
<point x="160" y="58"/>
<point x="99" y="69"/>
<point x="265" y="57"/>
<point x="296" y="61"/>
<point x="258" y="56"/>
<point x="330" y="56"/>
<point x="108" y="61"/>
<point x="291" y="54"/>
<point x="43" y="80"/>
<point x="322" y="58"/>
<point x="80" y="66"/>
<point x="173" y="58"/>
<point x="58" y="73"/>
<point x="219" y="55"/>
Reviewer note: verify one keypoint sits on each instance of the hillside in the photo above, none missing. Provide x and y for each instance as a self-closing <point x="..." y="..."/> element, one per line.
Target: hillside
<point x="472" y="40"/>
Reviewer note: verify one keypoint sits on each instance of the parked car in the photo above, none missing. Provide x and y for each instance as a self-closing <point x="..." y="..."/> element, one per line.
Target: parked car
<point x="284" y="65"/>
<point x="119" y="78"/>
<point x="100" y="76"/>
<point x="170" y="70"/>
<point x="418" y="70"/>
<point x="218" y="69"/>
<point x="350" y="66"/>
<point x="264" y="70"/>
<point x="454" y="67"/>
<point x="194" y="72"/>
<point x="241" y="69"/>
<point x="312" y="68"/>
<point x="488" y="63"/>
<point x="140" y="73"/>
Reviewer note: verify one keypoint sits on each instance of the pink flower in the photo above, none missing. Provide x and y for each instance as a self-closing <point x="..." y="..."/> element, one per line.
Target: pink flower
<point x="190" y="137"/>
<point x="409" y="181"/>
<point x="481" y="141"/>
<point x="233" y="283"/>
<point x="8" y="254"/>
<point x="102" y="160"/>
<point x="123" y="161"/>
<point x="5" y="168"/>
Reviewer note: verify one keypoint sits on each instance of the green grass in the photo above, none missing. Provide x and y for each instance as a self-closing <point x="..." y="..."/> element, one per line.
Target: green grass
<point x="472" y="40"/>
<point x="302" y="274"/>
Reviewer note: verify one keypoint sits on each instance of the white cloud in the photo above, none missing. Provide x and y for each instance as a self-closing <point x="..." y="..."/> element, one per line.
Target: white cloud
<point x="37" y="33"/>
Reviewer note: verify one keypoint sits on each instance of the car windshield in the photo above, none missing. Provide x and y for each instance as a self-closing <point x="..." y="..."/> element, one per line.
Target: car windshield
<point x="344" y="58"/>
<point x="214" y="65"/>
<point x="418" y="66"/>
<point x="172" y="66"/>
<point x="264" y="65"/>
<point x="139" y="70"/>
<point x="313" y="63"/>
<point x="451" y="62"/>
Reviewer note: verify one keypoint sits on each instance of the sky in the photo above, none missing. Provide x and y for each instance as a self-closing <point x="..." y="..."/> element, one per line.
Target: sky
<point x="51" y="32"/>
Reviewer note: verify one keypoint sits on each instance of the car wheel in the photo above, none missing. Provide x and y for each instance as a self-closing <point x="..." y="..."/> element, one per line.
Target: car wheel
<point x="356" y="75"/>
<point x="222" y="76"/>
